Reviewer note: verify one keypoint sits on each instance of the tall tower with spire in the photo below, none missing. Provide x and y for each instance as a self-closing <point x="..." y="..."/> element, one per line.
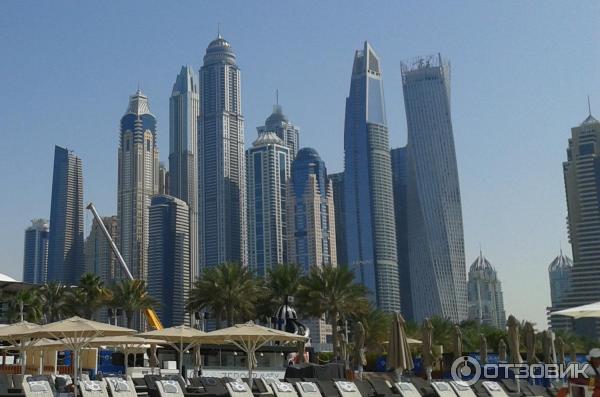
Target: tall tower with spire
<point x="184" y="108"/>
<point x="486" y="302"/>
<point x="368" y="194"/>
<point x="221" y="160"/>
<point x="582" y="184"/>
<point x="138" y="181"/>
<point x="278" y="123"/>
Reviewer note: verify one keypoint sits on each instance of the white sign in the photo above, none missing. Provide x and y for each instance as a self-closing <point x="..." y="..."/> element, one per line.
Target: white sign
<point x="241" y="373"/>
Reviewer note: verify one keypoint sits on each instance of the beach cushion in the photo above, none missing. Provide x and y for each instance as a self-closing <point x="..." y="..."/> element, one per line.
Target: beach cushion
<point x="119" y="385"/>
<point x="91" y="386"/>
<point x="284" y="387"/>
<point x="39" y="386"/>
<point x="347" y="386"/>
<point x="170" y="386"/>
<point x="239" y="387"/>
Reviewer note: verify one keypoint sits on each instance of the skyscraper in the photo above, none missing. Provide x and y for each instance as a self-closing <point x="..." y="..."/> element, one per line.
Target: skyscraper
<point x="169" y="258"/>
<point x="138" y="182"/>
<point x="311" y="225"/>
<point x="337" y="184"/>
<point x="278" y="123"/>
<point x="434" y="213"/>
<point x="486" y="302"/>
<point x="311" y="214"/>
<point x="400" y="180"/>
<point x="368" y="195"/>
<point x="100" y="259"/>
<point x="184" y="108"/>
<point x="66" y="262"/>
<point x="582" y="176"/>
<point x="559" y="273"/>
<point x="163" y="179"/>
<point x="268" y="174"/>
<point x="221" y="164"/>
<point x="35" y="255"/>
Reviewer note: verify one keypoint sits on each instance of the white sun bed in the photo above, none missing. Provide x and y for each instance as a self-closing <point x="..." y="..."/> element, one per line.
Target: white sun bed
<point x="281" y="389"/>
<point x="93" y="388"/>
<point x="36" y="388"/>
<point x="120" y="387"/>
<point x="407" y="389"/>
<point x="169" y="388"/>
<point x="494" y="389"/>
<point x="308" y="389"/>
<point x="347" y="389"/>
<point x="443" y="389"/>
<point x="462" y="389"/>
<point x="238" y="389"/>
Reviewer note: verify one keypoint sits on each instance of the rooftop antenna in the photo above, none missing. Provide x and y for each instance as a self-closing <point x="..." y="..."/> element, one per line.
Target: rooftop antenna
<point x="480" y="250"/>
<point x="219" y="30"/>
<point x="277" y="96"/>
<point x="589" y="106"/>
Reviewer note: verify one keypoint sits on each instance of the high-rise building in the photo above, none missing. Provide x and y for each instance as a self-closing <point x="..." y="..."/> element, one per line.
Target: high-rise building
<point x="559" y="273"/>
<point x="268" y="174"/>
<point x="278" y="123"/>
<point x="486" y="302"/>
<point x="66" y="262"/>
<point x="400" y="181"/>
<point x="311" y="214"/>
<point x="337" y="184"/>
<point x="99" y="257"/>
<point x="368" y="195"/>
<point x="311" y="225"/>
<point x="163" y="179"/>
<point x="184" y="108"/>
<point x="35" y="255"/>
<point x="221" y="164"/>
<point x="138" y="182"/>
<point x="169" y="258"/>
<point x="582" y="176"/>
<point x="434" y="213"/>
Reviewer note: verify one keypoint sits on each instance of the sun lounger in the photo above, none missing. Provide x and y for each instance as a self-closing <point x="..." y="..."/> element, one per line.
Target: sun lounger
<point x="93" y="388"/>
<point x="238" y="389"/>
<point x="493" y="389"/>
<point x="462" y="389"/>
<point x="347" y="389"/>
<point x="442" y="389"/>
<point x="382" y="389"/>
<point x="365" y="388"/>
<point x="407" y="389"/>
<point x="327" y="387"/>
<point x="308" y="389"/>
<point x="36" y="387"/>
<point x="213" y="386"/>
<point x="169" y="388"/>
<point x="282" y="389"/>
<point x="121" y="387"/>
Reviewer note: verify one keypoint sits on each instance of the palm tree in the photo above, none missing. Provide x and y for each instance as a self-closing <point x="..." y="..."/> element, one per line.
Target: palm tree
<point x="229" y="290"/>
<point x="132" y="297"/>
<point x="27" y="304"/>
<point x="54" y="300"/>
<point x="332" y="291"/>
<point x="377" y="325"/>
<point x="91" y="295"/>
<point x="282" y="280"/>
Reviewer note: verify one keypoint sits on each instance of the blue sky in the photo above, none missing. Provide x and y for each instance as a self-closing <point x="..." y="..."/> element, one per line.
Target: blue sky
<point x="521" y="72"/>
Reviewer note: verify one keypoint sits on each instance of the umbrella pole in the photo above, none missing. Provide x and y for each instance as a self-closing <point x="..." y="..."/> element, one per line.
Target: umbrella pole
<point x="75" y="367"/>
<point x="181" y="359"/>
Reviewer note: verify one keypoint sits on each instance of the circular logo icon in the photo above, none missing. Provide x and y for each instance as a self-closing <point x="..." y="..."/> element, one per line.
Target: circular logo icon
<point x="466" y="369"/>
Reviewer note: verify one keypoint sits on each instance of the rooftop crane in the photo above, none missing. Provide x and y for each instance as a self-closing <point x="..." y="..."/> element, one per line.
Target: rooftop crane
<point x="150" y="314"/>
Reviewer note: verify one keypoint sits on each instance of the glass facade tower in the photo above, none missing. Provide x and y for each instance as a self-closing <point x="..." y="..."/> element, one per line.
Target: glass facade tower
<point x="434" y="212"/>
<point x="184" y="109"/>
<point x="368" y="195"/>
<point x="35" y="255"/>
<point x="66" y="262"/>
<point x="221" y="164"/>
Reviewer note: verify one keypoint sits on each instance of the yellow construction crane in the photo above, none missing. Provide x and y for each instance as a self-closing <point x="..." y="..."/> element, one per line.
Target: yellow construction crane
<point x="150" y="314"/>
